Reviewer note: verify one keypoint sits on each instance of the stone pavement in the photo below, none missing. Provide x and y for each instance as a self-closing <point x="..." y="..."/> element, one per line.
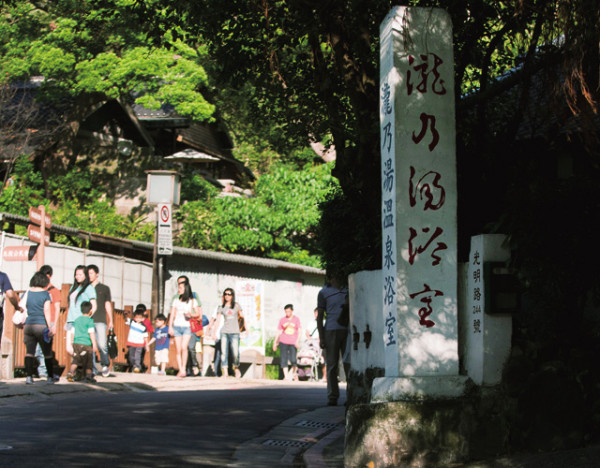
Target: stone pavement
<point x="314" y="439"/>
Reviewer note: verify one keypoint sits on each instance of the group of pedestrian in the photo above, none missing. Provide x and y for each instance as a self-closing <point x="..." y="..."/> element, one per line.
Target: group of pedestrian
<point x="90" y="318"/>
<point x="220" y="333"/>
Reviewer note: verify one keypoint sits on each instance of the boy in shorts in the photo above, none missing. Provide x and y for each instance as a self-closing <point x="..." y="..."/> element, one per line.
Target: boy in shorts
<point x="137" y="340"/>
<point x="161" y="338"/>
<point x="84" y="344"/>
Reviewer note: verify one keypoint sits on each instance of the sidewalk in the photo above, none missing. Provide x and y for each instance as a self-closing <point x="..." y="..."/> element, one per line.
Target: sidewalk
<point x="314" y="439"/>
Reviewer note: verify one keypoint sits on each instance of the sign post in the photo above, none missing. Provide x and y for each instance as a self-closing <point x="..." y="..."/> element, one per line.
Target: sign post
<point x="37" y="232"/>
<point x="163" y="191"/>
<point x="165" y="236"/>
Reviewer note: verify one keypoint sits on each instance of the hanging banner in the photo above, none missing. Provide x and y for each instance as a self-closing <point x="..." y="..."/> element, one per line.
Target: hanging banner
<point x="20" y="253"/>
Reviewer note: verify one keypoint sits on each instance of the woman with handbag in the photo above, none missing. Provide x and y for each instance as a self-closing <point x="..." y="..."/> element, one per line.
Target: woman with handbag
<point x="228" y="318"/>
<point x="184" y="307"/>
<point x="36" y="330"/>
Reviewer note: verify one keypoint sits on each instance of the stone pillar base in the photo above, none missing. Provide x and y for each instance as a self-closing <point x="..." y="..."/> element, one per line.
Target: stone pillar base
<point x="425" y="431"/>
<point x="418" y="388"/>
<point x="7" y="370"/>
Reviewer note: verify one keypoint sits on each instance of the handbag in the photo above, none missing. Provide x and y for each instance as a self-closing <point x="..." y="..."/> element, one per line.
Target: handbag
<point x="196" y="326"/>
<point x="111" y="344"/>
<point x="241" y="323"/>
<point x="20" y="316"/>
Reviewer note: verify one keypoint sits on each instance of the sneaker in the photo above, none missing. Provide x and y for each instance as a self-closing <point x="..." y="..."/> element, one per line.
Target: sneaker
<point x="56" y="378"/>
<point x="29" y="380"/>
<point x="70" y="377"/>
<point x="161" y="372"/>
<point x="50" y="380"/>
<point x="90" y="379"/>
<point x="105" y="372"/>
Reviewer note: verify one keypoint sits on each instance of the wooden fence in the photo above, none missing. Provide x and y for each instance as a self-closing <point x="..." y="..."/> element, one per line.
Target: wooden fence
<point x="252" y="363"/>
<point x="13" y="347"/>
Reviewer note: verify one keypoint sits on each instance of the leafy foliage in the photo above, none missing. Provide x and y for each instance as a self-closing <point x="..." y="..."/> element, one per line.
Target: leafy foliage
<point x="80" y="203"/>
<point x="90" y="46"/>
<point x="279" y="221"/>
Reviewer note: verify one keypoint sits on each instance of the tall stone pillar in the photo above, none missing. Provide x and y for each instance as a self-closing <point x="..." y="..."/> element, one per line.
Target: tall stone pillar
<point x="418" y="164"/>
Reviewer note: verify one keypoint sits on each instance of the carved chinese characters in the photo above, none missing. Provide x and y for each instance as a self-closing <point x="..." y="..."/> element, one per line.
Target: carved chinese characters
<point x="418" y="187"/>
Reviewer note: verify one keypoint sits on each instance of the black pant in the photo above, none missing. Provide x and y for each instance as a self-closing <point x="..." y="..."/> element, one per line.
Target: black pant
<point x="135" y="357"/>
<point x="1" y="323"/>
<point x="335" y="341"/>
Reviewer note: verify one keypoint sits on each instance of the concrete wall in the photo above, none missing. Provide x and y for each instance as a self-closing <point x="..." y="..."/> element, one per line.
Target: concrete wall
<point x="366" y="303"/>
<point x="130" y="281"/>
<point x="276" y="284"/>
<point x="274" y="289"/>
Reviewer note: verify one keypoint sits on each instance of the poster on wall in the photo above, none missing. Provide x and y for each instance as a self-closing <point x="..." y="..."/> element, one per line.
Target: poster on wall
<point x="249" y="294"/>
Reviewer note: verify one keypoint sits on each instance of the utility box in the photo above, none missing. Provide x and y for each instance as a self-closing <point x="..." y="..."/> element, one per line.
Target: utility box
<point x="503" y="290"/>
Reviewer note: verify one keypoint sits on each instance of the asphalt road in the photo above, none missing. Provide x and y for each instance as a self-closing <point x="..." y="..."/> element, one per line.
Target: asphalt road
<point x="147" y="429"/>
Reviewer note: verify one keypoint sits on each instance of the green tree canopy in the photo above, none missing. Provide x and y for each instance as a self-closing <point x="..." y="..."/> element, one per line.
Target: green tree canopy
<point x="280" y="221"/>
<point x="97" y="46"/>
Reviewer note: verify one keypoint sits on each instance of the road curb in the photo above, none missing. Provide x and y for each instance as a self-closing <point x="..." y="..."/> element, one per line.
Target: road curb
<point x="314" y="457"/>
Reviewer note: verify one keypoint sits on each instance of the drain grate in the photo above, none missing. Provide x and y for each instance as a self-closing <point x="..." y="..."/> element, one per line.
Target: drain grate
<point x="286" y="443"/>
<point x="317" y="425"/>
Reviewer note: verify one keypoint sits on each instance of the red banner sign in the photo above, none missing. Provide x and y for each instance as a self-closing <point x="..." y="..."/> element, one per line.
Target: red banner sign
<point x="21" y="253"/>
<point x="34" y="233"/>
<point x="35" y="215"/>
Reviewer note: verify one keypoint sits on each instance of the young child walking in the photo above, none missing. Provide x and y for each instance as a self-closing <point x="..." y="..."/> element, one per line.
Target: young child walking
<point x="84" y="344"/>
<point x="136" y="340"/>
<point x="161" y="348"/>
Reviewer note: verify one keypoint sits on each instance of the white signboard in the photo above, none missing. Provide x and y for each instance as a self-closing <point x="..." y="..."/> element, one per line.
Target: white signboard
<point x="418" y="193"/>
<point x="165" y="236"/>
<point x="249" y="294"/>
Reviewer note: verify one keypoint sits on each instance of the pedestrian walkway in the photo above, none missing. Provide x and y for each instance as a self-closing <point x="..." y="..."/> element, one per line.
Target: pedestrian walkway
<point x="314" y="439"/>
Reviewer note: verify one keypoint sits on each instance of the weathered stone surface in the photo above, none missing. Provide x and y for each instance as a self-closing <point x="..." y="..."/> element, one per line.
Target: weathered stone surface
<point x="428" y="433"/>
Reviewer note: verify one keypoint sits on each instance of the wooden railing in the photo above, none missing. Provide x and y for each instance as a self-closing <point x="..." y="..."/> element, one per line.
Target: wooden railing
<point x="252" y="363"/>
<point x="13" y="347"/>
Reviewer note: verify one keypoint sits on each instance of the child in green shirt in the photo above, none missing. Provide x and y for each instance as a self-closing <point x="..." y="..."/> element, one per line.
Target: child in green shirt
<point x="84" y="344"/>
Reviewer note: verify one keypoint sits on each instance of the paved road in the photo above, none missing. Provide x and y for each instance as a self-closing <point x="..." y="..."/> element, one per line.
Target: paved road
<point x="151" y="429"/>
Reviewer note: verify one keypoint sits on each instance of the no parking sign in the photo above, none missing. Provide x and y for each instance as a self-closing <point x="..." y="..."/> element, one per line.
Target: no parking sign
<point x="165" y="237"/>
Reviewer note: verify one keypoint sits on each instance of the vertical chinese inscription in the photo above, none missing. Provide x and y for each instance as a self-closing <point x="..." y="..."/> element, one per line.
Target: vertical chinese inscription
<point x="418" y="193"/>
<point x="424" y="78"/>
<point x="476" y="292"/>
<point x="388" y="215"/>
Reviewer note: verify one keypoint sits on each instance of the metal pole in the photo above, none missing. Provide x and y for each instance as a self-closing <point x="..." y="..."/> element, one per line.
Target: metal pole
<point x="155" y="281"/>
<point x="161" y="285"/>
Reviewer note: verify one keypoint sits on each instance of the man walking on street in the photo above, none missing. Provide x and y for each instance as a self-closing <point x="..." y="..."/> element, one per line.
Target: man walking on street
<point x="103" y="318"/>
<point x="332" y="304"/>
<point x="6" y="292"/>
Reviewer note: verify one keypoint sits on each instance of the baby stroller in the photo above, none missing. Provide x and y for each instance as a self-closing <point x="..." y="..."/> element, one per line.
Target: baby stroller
<point x="309" y="359"/>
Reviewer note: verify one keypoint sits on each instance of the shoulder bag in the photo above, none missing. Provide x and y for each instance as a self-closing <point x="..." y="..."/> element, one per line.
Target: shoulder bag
<point x="19" y="317"/>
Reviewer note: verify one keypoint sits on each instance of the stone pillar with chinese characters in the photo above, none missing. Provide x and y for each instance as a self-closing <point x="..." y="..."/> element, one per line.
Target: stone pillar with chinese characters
<point x="418" y="151"/>
<point x="487" y="335"/>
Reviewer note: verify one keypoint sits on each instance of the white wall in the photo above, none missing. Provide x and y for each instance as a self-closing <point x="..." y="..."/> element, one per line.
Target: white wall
<point x="130" y="280"/>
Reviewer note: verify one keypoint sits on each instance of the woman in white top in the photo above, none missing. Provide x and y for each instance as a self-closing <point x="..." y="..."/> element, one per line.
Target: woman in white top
<point x="183" y="308"/>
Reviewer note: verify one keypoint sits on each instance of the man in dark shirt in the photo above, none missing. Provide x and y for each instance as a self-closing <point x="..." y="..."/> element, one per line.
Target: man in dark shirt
<point x="332" y="306"/>
<point x="6" y="292"/>
<point x="103" y="317"/>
